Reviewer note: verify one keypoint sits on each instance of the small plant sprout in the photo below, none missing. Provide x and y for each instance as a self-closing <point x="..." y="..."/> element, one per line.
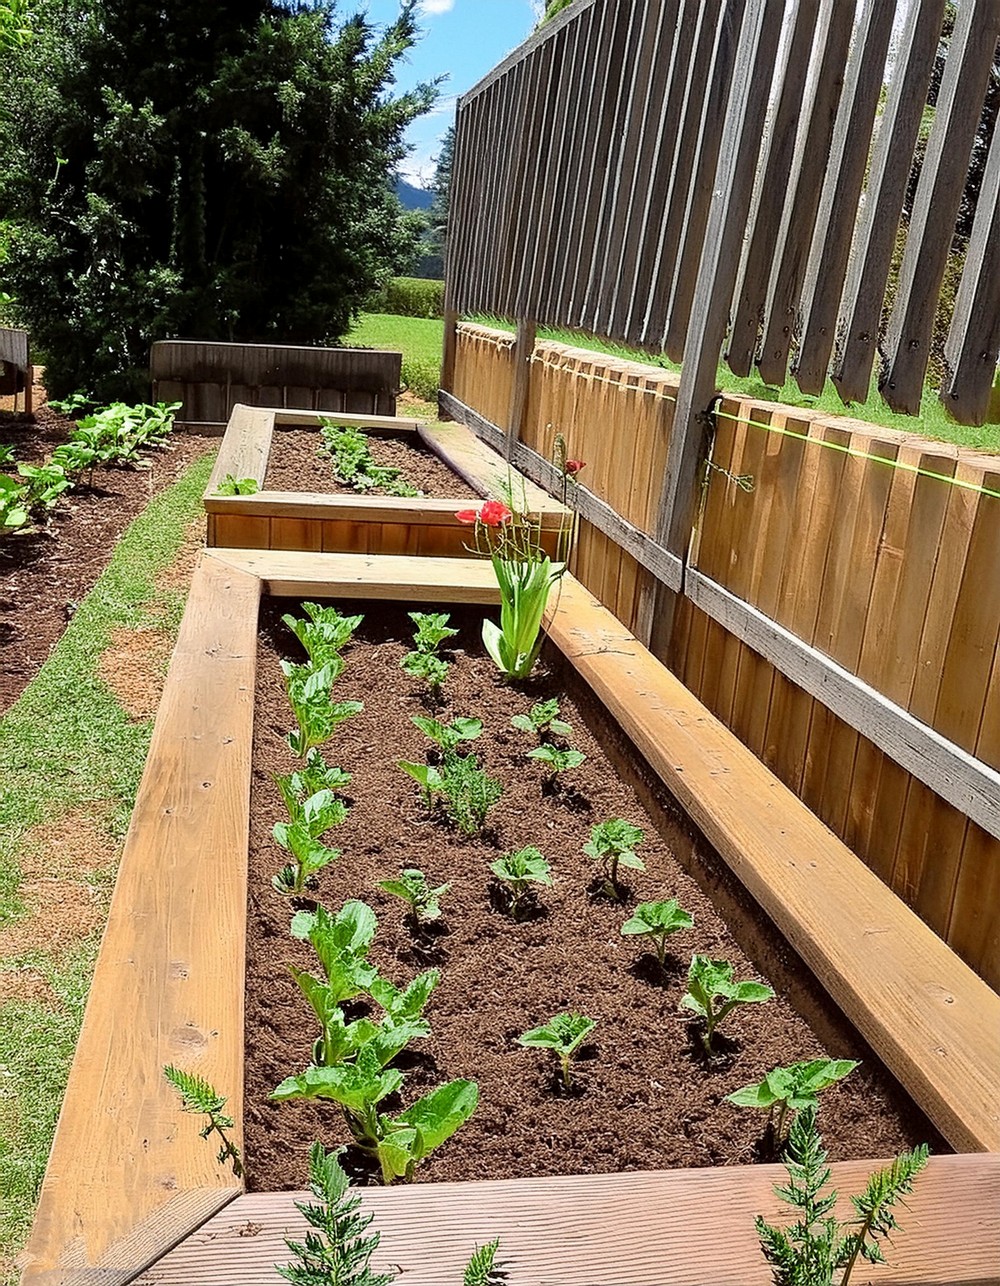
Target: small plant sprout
<point x="427" y="777"/>
<point x="557" y="761"/>
<point x="563" y="1034"/>
<point x="432" y="630"/>
<point x="613" y="844"/>
<point x="324" y="633"/>
<point x="317" y="716"/>
<point x="481" y="1269"/>
<point x="413" y="888"/>
<point x="423" y="662"/>
<point x="712" y="994"/>
<point x="427" y="666"/>
<point x="231" y="486"/>
<point x="657" y="921"/>
<point x="792" y="1089"/>
<point x="819" y="1245"/>
<point x="543" y="720"/>
<point x="468" y="791"/>
<point x="448" y="735"/>
<point x="518" y="871"/>
<point x="315" y="775"/>
<point x="300" y="837"/>
<point x="198" y="1096"/>
<point x="336" y="1251"/>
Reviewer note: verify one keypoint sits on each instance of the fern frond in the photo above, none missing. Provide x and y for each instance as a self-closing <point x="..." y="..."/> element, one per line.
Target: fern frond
<point x="197" y="1095"/>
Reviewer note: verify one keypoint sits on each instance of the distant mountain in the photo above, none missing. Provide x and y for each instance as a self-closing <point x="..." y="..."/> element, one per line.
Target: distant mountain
<point x="413" y="198"/>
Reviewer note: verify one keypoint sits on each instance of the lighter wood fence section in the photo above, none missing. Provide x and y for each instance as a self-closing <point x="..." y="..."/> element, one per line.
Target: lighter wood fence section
<point x="210" y="379"/>
<point x="484" y="378"/>
<point x="128" y="1173"/>
<point x="887" y="572"/>
<point x="676" y="1228"/>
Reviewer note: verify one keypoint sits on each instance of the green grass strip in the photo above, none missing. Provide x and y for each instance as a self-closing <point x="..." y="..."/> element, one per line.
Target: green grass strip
<point x="419" y="339"/>
<point x="67" y="744"/>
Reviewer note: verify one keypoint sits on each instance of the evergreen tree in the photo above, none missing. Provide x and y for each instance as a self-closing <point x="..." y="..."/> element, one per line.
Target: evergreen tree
<point x="214" y="171"/>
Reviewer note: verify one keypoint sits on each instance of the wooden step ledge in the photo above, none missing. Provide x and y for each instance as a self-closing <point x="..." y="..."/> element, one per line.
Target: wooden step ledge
<point x="672" y="1228"/>
<point x="930" y="1018"/>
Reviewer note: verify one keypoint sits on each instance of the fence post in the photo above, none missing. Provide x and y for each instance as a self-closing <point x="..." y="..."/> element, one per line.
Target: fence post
<point x="449" y="354"/>
<point x="524" y="346"/>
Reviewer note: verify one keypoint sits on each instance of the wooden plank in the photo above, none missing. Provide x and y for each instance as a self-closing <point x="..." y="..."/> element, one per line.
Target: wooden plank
<point x="937" y="200"/>
<point x="527" y="48"/>
<point x="925" y="1013"/>
<point x="950" y="771"/>
<point x="242" y="530"/>
<point x="289" y="573"/>
<point x="484" y="469"/>
<point x="245" y="447"/>
<point x="128" y="1174"/>
<point x="349" y="507"/>
<point x="673" y="1228"/>
<point x="311" y="419"/>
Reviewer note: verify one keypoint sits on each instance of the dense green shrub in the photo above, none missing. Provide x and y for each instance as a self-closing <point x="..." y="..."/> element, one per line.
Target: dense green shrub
<point x="409" y="297"/>
<point x="221" y="171"/>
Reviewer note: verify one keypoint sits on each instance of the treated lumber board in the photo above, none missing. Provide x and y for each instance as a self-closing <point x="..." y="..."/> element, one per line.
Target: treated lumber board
<point x="484" y="469"/>
<point x="288" y="573"/>
<point x="128" y="1173"/>
<point x="934" y="1023"/>
<point x="341" y="507"/>
<point x="672" y="1228"/>
<point x="245" y="447"/>
<point x="310" y="419"/>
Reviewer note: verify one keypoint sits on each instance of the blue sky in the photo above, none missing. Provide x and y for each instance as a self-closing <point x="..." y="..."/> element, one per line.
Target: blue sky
<point x="462" y="39"/>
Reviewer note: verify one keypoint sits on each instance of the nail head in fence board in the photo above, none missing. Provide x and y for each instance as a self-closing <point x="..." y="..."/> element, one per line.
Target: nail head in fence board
<point x="751" y="292"/>
<point x="937" y="200"/>
<point x="838" y="206"/>
<point x="973" y="342"/>
<point x="833" y="42"/>
<point x="931" y="1020"/>
<point x="128" y="1173"/>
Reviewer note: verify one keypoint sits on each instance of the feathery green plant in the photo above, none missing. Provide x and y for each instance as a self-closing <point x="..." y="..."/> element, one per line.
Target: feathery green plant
<point x="481" y="1270"/>
<point x="198" y="1096"/>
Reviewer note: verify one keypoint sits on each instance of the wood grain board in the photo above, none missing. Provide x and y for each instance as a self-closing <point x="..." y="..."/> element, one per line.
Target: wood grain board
<point x="673" y="1228"/>
<point x="128" y="1174"/>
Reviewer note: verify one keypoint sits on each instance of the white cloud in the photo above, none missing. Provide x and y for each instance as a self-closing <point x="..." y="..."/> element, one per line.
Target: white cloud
<point x="427" y="8"/>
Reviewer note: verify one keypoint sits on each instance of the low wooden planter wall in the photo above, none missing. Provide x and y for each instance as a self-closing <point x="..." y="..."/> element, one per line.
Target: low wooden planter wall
<point x="129" y="1179"/>
<point x="16" y="372"/>
<point x="358" y="523"/>
<point x="209" y="379"/>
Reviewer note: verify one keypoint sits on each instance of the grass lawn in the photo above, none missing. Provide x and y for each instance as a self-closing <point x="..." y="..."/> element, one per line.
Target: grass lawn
<point x="70" y="763"/>
<point x="419" y="339"/>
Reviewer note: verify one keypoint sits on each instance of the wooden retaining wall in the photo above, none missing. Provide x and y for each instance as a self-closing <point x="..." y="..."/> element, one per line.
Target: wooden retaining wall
<point x="209" y="379"/>
<point x="840" y="612"/>
<point x="15" y="366"/>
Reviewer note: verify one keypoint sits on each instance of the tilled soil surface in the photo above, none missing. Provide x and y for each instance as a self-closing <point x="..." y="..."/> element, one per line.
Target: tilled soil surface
<point x="296" y="464"/>
<point x="646" y="1097"/>
<point x="44" y="574"/>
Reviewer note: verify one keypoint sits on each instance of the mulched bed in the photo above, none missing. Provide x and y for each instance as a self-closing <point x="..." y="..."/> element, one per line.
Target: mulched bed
<point x="296" y="464"/>
<point x="44" y="574"/>
<point x="647" y="1099"/>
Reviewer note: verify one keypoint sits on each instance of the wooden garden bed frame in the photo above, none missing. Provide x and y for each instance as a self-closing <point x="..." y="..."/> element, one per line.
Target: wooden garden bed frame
<point x="129" y="1179"/>
<point x="357" y="523"/>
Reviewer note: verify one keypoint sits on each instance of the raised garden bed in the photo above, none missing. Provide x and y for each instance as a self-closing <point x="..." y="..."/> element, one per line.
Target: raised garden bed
<point x="129" y="1178"/>
<point x="299" y="505"/>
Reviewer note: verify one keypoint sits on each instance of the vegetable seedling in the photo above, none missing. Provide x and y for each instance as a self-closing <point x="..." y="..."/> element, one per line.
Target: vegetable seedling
<point x="542" y="719"/>
<point x="792" y="1089"/>
<point x="432" y="630"/>
<point x="233" y="486"/>
<point x="657" y="921"/>
<point x="324" y="634"/>
<point x="712" y="994"/>
<point x="310" y="819"/>
<point x="518" y="871"/>
<point x="315" y="775"/>
<point x="557" y="761"/>
<point x="412" y="887"/>
<point x="819" y="1244"/>
<point x="198" y="1096"/>
<point x="481" y="1270"/>
<point x="317" y="716"/>
<point x="613" y="844"/>
<point x="563" y="1034"/>
<point x="468" y="791"/>
<point x="427" y="777"/>
<point x="425" y="665"/>
<point x="353" y="464"/>
<point x="448" y="735"/>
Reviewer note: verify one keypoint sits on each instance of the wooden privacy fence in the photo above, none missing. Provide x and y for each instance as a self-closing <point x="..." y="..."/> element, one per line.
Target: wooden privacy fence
<point x="209" y="379"/>
<point x="15" y="366"/>
<point x="841" y="604"/>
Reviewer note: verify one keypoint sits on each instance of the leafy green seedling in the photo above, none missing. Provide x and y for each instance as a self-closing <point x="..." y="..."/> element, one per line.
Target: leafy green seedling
<point x="300" y="837"/>
<point x="657" y="921"/>
<point x="425" y="665"/>
<point x="518" y="871"/>
<point x="8" y="456"/>
<point x="542" y="719"/>
<point x="354" y="466"/>
<point x="46" y="483"/>
<point x="232" y="486"/>
<point x="70" y="406"/>
<point x="481" y="1270"/>
<point x="428" y="778"/>
<point x="432" y="630"/>
<point x="315" y="775"/>
<point x="413" y="888"/>
<point x="317" y="716"/>
<point x="791" y="1089"/>
<point x="336" y="1252"/>
<point x="13" y="505"/>
<point x="712" y="994"/>
<point x="468" y="791"/>
<point x="405" y="1004"/>
<point x="563" y="1034"/>
<point x="448" y="735"/>
<point x="819" y="1245"/>
<point x="613" y="844"/>
<point x="198" y="1096"/>
<point x="324" y="633"/>
<point x="400" y="1143"/>
<point x="556" y="760"/>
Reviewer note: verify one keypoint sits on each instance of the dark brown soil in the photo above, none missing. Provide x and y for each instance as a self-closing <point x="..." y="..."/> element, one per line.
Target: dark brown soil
<point x="44" y="574"/>
<point x="647" y="1098"/>
<point x="296" y="464"/>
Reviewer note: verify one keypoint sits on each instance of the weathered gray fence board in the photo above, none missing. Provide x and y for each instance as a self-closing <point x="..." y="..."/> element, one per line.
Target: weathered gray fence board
<point x="936" y="204"/>
<point x="14" y="347"/>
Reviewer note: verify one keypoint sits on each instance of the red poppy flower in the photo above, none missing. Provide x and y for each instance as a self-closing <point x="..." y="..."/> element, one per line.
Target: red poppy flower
<point x="574" y="466"/>
<point x="494" y="513"/>
<point x="468" y="516"/>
